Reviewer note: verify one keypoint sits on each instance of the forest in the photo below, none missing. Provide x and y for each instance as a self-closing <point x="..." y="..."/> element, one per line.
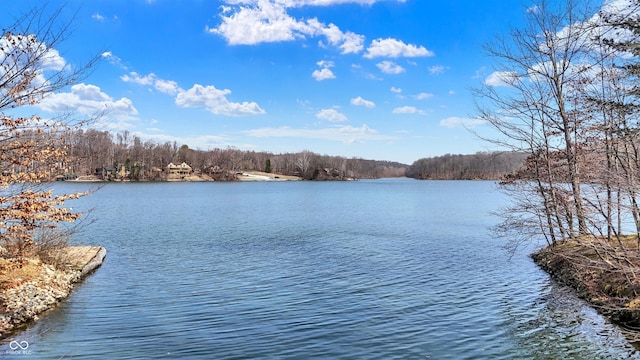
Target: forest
<point x="91" y="151"/>
<point x="478" y="166"/>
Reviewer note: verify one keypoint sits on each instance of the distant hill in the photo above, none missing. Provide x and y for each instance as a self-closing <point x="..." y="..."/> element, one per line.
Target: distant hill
<point x="479" y="166"/>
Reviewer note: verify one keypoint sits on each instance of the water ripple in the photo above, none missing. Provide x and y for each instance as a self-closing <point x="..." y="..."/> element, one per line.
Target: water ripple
<point x="404" y="271"/>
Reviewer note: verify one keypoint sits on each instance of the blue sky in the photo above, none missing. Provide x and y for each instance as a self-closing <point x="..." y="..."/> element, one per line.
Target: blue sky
<point x="375" y="79"/>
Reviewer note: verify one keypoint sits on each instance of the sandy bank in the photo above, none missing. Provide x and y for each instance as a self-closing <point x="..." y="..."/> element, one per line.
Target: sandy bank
<point x="263" y="176"/>
<point x="48" y="286"/>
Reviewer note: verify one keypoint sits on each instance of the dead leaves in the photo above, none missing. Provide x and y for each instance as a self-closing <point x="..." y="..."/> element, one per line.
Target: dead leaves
<point x="30" y="152"/>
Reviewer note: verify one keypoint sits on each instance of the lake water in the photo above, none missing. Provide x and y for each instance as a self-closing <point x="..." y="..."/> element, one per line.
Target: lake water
<point x="379" y="269"/>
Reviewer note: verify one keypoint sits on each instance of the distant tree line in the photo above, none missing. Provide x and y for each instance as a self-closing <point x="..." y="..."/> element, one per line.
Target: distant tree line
<point x="91" y="150"/>
<point x="479" y="166"/>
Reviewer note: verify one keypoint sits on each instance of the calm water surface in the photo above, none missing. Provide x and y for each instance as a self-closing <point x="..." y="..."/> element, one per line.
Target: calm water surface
<point x="382" y="269"/>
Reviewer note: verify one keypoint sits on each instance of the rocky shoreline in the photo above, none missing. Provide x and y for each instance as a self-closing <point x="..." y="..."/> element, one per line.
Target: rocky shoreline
<point x="605" y="288"/>
<point x="25" y="303"/>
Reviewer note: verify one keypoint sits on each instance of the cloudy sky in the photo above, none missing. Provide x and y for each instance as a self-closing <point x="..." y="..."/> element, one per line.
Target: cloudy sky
<point x="376" y="79"/>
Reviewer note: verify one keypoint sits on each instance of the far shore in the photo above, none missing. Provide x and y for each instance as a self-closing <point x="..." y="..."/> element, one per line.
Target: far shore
<point x="243" y="176"/>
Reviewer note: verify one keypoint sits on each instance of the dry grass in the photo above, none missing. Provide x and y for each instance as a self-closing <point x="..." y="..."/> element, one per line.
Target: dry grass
<point x="14" y="272"/>
<point x="47" y="249"/>
<point x="605" y="273"/>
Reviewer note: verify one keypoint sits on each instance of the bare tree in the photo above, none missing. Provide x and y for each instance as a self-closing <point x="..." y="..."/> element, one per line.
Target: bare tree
<point x="31" y="148"/>
<point x="569" y="99"/>
<point x="531" y="102"/>
<point x="303" y="163"/>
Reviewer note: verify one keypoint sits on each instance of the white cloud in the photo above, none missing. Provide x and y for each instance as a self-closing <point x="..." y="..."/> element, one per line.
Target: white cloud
<point x="454" y="121"/>
<point x="331" y="115"/>
<point x="408" y="110"/>
<point x="359" y="101"/>
<point x="346" y="134"/>
<point x="89" y="92"/>
<point x="423" y="96"/>
<point x="349" y="42"/>
<point x="52" y="60"/>
<point x="215" y="101"/>
<point x="27" y="52"/>
<point x="212" y="99"/>
<point x="395" y="48"/>
<point x="167" y="86"/>
<point x="97" y="16"/>
<point x="114" y="60"/>
<point x="325" y="63"/>
<point x="396" y="90"/>
<point x="575" y="35"/>
<point x="438" y="69"/>
<point x="133" y="77"/>
<point x="266" y="22"/>
<point x="323" y="74"/>
<point x="389" y="67"/>
<point x="452" y="92"/>
<point x="260" y="21"/>
<point x="501" y="78"/>
<point x="89" y="100"/>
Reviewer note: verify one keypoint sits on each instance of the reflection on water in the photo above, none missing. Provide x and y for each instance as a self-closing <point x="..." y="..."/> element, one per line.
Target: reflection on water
<point x="369" y="269"/>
